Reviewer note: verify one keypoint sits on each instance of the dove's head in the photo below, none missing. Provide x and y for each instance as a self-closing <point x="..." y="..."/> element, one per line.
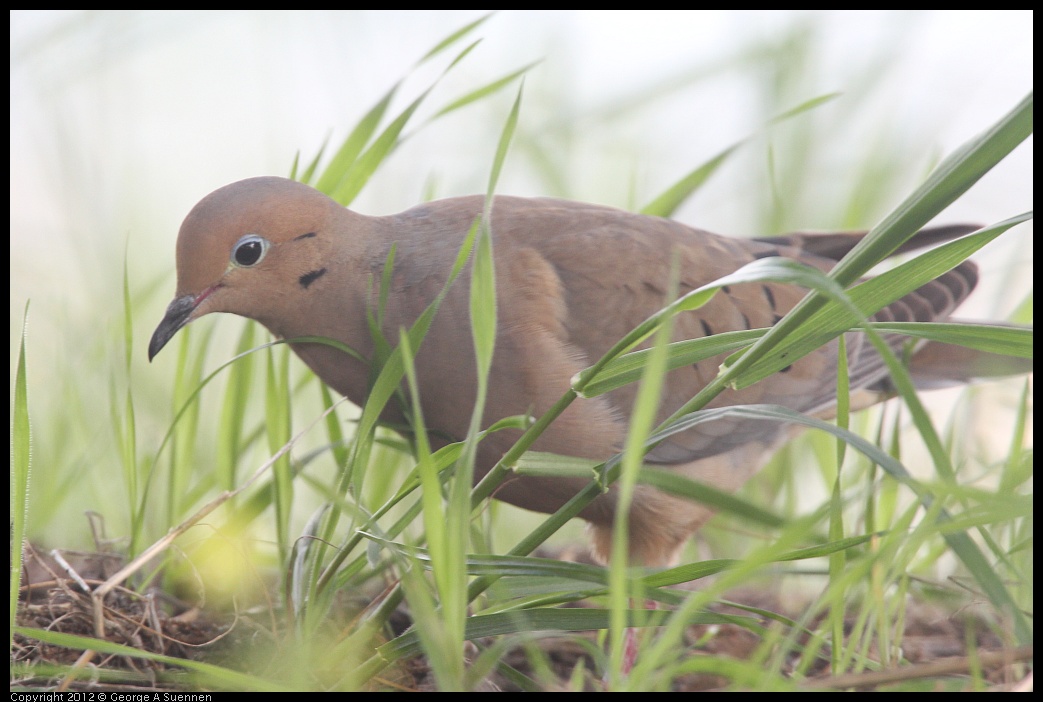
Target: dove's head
<point x="252" y="248"/>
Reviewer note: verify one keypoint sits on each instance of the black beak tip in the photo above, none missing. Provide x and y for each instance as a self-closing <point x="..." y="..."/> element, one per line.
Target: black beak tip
<point x="154" y="345"/>
<point x="178" y="315"/>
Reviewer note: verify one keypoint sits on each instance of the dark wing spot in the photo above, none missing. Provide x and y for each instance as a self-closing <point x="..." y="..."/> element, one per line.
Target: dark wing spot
<point x="768" y="294"/>
<point x="786" y="369"/>
<point x="305" y="236"/>
<point x="309" y="278"/>
<point x="767" y="254"/>
<point x="707" y="330"/>
<point x="746" y="322"/>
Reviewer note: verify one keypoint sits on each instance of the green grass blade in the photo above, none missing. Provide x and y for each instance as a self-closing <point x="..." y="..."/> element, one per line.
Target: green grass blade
<point x="232" y="421"/>
<point x="278" y="430"/>
<point x="348" y="153"/>
<point x="208" y="674"/>
<point x="673" y="197"/>
<point x="454" y="37"/>
<point x="868" y="297"/>
<point x="766" y="269"/>
<point x="804" y="107"/>
<point x="21" y="461"/>
<point x="1008" y="341"/>
<point x="952" y="178"/>
<point x="642" y="420"/>
<point x="125" y="426"/>
<point x="482" y="92"/>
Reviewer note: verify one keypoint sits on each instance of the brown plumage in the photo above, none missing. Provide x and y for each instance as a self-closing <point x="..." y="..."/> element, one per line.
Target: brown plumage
<point x="572" y="279"/>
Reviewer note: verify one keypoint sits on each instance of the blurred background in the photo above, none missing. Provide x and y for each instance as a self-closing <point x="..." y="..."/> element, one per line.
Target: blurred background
<point x="121" y="121"/>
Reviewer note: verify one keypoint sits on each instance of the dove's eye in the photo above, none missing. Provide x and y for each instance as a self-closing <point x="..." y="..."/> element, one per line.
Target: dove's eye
<point x="249" y="251"/>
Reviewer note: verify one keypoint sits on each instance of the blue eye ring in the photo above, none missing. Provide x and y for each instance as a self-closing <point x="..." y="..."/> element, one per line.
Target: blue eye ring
<point x="249" y="251"/>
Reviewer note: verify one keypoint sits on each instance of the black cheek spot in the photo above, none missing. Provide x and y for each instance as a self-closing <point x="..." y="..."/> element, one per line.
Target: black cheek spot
<point x="309" y="278"/>
<point x="305" y="236"/>
<point x="726" y="290"/>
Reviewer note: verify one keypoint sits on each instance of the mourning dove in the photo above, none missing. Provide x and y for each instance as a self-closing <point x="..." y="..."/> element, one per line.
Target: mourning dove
<point x="572" y="279"/>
